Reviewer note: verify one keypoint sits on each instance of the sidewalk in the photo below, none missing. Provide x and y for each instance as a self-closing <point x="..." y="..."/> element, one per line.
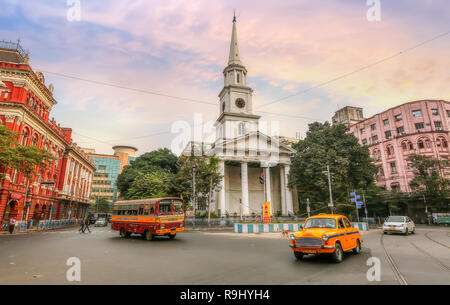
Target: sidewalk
<point x="34" y="230"/>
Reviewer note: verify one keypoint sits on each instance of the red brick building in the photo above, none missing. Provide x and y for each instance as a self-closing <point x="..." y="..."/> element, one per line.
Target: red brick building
<point x="62" y="190"/>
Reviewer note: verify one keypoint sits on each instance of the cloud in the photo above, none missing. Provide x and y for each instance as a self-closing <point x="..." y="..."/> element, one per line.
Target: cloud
<point x="181" y="47"/>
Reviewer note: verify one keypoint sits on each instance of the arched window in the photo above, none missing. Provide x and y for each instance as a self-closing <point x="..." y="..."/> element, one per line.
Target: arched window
<point x="25" y="136"/>
<point x="390" y="150"/>
<point x="35" y="140"/>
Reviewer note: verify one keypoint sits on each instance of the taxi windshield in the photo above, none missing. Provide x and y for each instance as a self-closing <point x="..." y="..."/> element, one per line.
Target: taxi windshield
<point x="320" y="223"/>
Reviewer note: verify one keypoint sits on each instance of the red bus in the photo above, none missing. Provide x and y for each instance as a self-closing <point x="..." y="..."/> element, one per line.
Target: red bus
<point x="149" y="217"/>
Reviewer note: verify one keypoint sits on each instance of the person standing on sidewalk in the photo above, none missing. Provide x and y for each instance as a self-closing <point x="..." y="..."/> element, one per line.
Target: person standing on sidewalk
<point x="12" y="225"/>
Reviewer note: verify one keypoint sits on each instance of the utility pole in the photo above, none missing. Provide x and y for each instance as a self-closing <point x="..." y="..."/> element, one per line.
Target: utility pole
<point x="331" y="205"/>
<point x="194" y="201"/>
<point x="365" y="207"/>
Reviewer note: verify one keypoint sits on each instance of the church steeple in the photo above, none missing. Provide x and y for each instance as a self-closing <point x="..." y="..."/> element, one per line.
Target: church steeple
<point x="236" y="114"/>
<point x="234" y="58"/>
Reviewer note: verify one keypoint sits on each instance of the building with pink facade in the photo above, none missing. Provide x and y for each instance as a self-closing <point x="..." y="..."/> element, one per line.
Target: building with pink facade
<point x="420" y="127"/>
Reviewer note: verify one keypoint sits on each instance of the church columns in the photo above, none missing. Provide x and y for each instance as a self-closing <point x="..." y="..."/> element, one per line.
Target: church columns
<point x="289" y="203"/>
<point x="244" y="183"/>
<point x="222" y="205"/>
<point x="283" y="192"/>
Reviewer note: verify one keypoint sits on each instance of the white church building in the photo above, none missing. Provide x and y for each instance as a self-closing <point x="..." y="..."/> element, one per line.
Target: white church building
<point x="254" y="165"/>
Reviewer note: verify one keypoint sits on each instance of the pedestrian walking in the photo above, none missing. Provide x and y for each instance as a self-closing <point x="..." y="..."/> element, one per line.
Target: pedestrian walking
<point x="12" y="225"/>
<point x="86" y="225"/>
<point x="81" y="229"/>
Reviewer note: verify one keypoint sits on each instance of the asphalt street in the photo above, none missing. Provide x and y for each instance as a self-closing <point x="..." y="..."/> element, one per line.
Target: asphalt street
<point x="222" y="257"/>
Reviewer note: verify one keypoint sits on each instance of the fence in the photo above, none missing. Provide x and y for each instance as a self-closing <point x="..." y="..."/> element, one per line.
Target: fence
<point x="231" y="221"/>
<point x="43" y="224"/>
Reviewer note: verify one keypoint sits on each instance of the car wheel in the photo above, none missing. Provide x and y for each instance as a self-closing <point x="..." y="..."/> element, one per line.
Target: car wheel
<point x="385" y="233"/>
<point x="357" y="250"/>
<point x="298" y="255"/>
<point x="338" y="254"/>
<point x="414" y="230"/>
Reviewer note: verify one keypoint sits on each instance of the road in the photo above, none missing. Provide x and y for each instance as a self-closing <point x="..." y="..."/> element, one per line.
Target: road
<point x="198" y="257"/>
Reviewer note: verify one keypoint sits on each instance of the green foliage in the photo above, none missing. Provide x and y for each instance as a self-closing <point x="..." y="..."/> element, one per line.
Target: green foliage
<point x="430" y="181"/>
<point x="150" y="185"/>
<point x="207" y="177"/>
<point x="349" y="162"/>
<point x="155" y="161"/>
<point x="25" y="159"/>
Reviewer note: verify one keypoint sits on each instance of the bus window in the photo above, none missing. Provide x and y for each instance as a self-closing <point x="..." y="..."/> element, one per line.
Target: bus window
<point x="165" y="206"/>
<point x="141" y="211"/>
<point x="178" y="206"/>
<point x="152" y="209"/>
<point x="135" y="212"/>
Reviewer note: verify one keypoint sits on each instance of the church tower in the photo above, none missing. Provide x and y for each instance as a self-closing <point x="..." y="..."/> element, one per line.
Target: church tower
<point x="236" y="113"/>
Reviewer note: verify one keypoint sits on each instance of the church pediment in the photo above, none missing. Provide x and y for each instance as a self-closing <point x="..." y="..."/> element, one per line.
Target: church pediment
<point x="252" y="144"/>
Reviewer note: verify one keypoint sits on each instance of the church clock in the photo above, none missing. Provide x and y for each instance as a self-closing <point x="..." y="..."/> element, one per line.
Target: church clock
<point x="240" y="103"/>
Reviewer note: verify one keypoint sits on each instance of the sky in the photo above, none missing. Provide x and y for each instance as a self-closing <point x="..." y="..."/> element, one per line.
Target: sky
<point x="305" y="60"/>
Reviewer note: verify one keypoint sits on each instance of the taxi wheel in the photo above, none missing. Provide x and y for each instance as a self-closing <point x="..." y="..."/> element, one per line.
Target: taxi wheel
<point x="338" y="254"/>
<point x="298" y="256"/>
<point x="357" y="250"/>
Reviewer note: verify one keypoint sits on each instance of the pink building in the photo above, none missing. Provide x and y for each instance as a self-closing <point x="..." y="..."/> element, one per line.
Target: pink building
<point x="420" y="127"/>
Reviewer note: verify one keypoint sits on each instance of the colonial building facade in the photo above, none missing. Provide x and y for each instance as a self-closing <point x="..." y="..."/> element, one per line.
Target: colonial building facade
<point x="255" y="166"/>
<point x="419" y="127"/>
<point x="61" y="190"/>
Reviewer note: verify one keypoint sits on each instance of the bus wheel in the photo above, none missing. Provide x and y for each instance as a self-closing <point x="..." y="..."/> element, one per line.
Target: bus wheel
<point x="172" y="236"/>
<point x="123" y="233"/>
<point x="149" y="235"/>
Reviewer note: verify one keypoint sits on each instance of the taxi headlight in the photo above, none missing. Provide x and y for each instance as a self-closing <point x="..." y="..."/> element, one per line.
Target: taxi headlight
<point x="325" y="237"/>
<point x="292" y="236"/>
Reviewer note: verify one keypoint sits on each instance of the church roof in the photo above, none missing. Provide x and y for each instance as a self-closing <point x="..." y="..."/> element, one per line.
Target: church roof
<point x="234" y="58"/>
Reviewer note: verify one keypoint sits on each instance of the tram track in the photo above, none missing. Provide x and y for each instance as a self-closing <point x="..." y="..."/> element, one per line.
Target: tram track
<point x="427" y="236"/>
<point x="397" y="274"/>
<point x="435" y="259"/>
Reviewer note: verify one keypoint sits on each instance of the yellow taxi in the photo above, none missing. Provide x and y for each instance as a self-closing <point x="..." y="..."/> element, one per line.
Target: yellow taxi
<point x="326" y="234"/>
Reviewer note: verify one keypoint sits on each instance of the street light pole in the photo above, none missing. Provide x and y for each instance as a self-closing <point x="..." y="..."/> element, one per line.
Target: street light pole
<point x="194" y="201"/>
<point x="329" y="187"/>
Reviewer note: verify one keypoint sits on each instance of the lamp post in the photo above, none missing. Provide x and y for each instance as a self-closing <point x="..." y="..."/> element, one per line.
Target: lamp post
<point x="194" y="199"/>
<point x="327" y="172"/>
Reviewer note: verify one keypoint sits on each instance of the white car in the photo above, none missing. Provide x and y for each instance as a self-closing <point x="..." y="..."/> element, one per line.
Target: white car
<point x="399" y="224"/>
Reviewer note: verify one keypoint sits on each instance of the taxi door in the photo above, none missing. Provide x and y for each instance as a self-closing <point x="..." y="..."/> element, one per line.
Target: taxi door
<point x="351" y="237"/>
<point x="344" y="236"/>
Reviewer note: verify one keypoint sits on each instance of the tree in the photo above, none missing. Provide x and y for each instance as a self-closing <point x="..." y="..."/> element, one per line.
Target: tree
<point x="155" y="161"/>
<point x="102" y="205"/>
<point x="25" y="159"/>
<point x="349" y="162"/>
<point x="207" y="177"/>
<point x="430" y="181"/>
<point x="151" y="185"/>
